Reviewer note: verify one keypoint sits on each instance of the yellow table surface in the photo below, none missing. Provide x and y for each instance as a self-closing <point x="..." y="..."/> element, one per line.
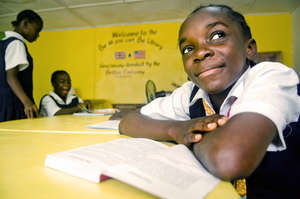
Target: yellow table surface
<point x="57" y="124"/>
<point x="23" y="174"/>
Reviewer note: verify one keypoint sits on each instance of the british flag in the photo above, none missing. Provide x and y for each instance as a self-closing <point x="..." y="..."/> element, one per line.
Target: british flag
<point x="139" y="54"/>
<point x="120" y="55"/>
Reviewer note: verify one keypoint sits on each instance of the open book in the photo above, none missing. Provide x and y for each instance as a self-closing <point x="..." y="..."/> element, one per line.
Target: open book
<point x="167" y="172"/>
<point x="109" y="124"/>
<point x="97" y="112"/>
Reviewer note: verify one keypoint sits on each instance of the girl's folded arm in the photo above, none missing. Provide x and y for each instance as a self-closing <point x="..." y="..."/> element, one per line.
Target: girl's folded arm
<point x="235" y="149"/>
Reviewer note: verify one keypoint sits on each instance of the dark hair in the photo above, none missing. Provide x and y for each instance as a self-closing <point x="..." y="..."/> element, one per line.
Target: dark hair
<point x="234" y="15"/>
<point x="56" y="73"/>
<point x="30" y="15"/>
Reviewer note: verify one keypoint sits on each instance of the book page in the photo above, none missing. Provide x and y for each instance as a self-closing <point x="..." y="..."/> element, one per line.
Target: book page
<point x="88" y="114"/>
<point x="90" y="161"/>
<point x="109" y="124"/>
<point x="170" y="173"/>
<point x="97" y="112"/>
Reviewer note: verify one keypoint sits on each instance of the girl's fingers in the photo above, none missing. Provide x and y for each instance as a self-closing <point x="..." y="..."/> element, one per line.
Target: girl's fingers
<point x="191" y="138"/>
<point x="197" y="137"/>
<point x="29" y="114"/>
<point x="222" y="121"/>
<point x="211" y="126"/>
<point x="209" y="123"/>
<point x="36" y="111"/>
<point x="201" y="126"/>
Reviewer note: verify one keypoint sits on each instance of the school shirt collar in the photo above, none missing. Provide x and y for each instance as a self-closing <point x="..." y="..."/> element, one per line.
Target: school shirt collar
<point x="13" y="34"/>
<point x="70" y="97"/>
<point x="233" y="94"/>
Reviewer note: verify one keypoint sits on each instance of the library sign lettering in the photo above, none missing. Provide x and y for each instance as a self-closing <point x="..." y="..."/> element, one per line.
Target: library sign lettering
<point x="129" y="53"/>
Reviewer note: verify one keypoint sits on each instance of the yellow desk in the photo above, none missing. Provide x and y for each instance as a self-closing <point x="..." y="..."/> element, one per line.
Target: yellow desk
<point x="23" y="174"/>
<point x="57" y="124"/>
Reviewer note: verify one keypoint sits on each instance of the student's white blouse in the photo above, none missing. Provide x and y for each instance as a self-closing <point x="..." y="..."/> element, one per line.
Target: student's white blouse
<point x="268" y="88"/>
<point x="15" y="54"/>
<point x="48" y="106"/>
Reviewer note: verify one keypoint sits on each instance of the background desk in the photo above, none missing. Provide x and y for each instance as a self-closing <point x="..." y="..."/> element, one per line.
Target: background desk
<point x="23" y="174"/>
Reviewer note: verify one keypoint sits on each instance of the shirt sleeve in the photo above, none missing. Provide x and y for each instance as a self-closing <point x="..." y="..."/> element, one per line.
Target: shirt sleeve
<point x="49" y="107"/>
<point x="173" y="107"/>
<point x="270" y="89"/>
<point x="15" y="55"/>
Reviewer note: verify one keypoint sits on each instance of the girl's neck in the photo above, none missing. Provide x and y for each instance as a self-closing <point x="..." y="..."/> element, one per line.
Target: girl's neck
<point x="64" y="98"/>
<point x="17" y="30"/>
<point x="218" y="99"/>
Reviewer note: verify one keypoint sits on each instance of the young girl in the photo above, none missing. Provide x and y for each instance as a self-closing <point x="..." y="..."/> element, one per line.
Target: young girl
<point x="16" y="100"/>
<point x="254" y="128"/>
<point x="62" y="100"/>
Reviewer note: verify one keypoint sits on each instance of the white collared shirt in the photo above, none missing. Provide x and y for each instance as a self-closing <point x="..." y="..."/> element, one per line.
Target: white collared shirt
<point x="269" y="88"/>
<point x="15" y="54"/>
<point x="49" y="107"/>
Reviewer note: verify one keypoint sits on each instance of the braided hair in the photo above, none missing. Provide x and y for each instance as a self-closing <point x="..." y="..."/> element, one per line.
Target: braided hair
<point x="29" y="15"/>
<point x="233" y="15"/>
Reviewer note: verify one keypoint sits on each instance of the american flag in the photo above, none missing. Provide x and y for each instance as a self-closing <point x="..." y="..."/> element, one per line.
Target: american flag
<point x="139" y="54"/>
<point x="120" y="55"/>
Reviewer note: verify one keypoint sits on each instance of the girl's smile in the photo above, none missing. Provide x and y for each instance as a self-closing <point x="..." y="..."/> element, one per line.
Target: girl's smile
<point x="62" y="85"/>
<point x="214" y="70"/>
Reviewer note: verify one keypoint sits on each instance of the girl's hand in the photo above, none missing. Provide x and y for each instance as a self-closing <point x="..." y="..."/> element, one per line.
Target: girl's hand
<point x="86" y="107"/>
<point x="30" y="110"/>
<point x="12" y="79"/>
<point x="192" y="131"/>
<point x="88" y="104"/>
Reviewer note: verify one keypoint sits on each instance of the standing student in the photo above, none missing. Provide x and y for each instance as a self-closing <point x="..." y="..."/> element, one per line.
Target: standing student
<point x="62" y="100"/>
<point x="16" y="65"/>
<point x="253" y="132"/>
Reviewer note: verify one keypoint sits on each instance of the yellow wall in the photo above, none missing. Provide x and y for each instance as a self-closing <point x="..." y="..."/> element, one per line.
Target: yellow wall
<point x="127" y="77"/>
<point x="296" y="39"/>
<point x="89" y="56"/>
<point x="71" y="50"/>
<point x="273" y="33"/>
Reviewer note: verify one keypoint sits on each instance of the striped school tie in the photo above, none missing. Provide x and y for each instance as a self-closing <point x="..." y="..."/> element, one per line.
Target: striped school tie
<point x="240" y="184"/>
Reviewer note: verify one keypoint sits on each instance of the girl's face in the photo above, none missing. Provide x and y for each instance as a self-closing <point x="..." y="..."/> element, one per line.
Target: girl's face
<point x="213" y="50"/>
<point x="62" y="85"/>
<point x="30" y="30"/>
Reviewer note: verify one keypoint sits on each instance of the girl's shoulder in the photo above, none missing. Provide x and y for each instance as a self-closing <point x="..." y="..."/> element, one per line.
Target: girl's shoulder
<point x="12" y="39"/>
<point x="272" y="70"/>
<point x="12" y="34"/>
<point x="270" y="66"/>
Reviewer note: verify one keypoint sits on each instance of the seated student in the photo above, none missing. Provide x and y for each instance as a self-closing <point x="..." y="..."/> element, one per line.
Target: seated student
<point x="254" y="127"/>
<point x="62" y="100"/>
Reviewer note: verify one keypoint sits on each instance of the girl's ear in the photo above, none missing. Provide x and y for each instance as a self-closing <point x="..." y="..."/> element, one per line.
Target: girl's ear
<point x="251" y="49"/>
<point x="23" y="25"/>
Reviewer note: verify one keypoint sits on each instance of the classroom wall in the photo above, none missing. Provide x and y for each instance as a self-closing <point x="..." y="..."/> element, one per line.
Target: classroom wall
<point x="128" y="56"/>
<point x="102" y="62"/>
<point x="273" y="33"/>
<point x="70" y="50"/>
<point x="296" y="39"/>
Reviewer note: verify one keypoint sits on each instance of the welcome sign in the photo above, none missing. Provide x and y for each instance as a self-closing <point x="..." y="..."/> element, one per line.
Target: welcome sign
<point x="127" y="56"/>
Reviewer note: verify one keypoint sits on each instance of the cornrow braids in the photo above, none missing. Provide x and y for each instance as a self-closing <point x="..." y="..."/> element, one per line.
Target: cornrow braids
<point x="234" y="15"/>
<point x="30" y="15"/>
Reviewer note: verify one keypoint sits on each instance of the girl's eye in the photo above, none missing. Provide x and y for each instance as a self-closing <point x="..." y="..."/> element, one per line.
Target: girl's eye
<point x="217" y="36"/>
<point x="186" y="50"/>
